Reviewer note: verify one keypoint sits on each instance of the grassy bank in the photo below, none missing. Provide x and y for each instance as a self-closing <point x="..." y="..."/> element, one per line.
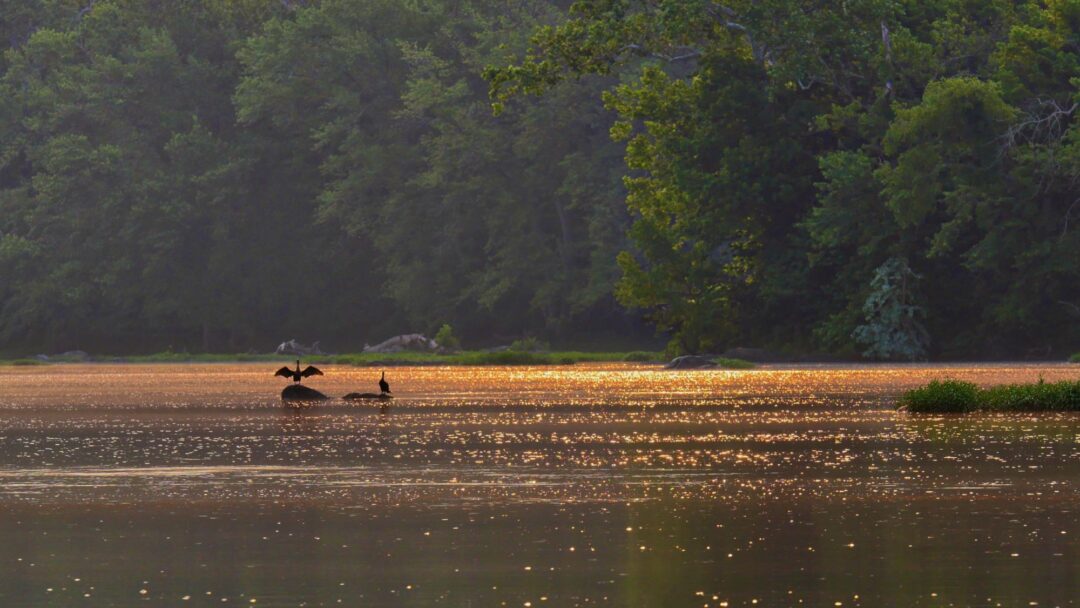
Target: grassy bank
<point x="959" y="396"/>
<point x="369" y="359"/>
<point x="470" y="358"/>
<point x="20" y="362"/>
<point x="728" y="363"/>
<point x="1075" y="358"/>
<point x="391" y="359"/>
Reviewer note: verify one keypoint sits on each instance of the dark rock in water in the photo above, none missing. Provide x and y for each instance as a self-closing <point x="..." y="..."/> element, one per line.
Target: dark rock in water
<point x="299" y="393"/>
<point x="376" y="396"/>
<point x="691" y="362"/>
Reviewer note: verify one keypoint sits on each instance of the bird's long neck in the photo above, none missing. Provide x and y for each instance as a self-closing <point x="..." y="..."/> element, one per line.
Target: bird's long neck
<point x="383" y="376"/>
<point x="298" y="366"/>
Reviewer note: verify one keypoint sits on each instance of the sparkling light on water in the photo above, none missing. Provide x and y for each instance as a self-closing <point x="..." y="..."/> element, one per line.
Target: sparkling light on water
<point x="601" y="484"/>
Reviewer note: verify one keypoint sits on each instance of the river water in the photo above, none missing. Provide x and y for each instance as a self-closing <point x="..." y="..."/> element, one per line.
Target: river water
<point x="588" y="485"/>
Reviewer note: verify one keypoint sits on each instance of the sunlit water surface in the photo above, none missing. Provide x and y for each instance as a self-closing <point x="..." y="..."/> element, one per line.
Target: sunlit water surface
<point x="614" y="485"/>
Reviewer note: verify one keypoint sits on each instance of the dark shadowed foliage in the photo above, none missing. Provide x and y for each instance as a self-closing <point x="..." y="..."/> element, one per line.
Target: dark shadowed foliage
<point x="886" y="179"/>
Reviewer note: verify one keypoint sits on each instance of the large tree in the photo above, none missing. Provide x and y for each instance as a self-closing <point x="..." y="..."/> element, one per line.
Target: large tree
<point x="503" y="225"/>
<point x="781" y="153"/>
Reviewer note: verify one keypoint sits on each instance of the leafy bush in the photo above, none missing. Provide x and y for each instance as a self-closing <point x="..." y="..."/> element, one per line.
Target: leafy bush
<point x="674" y="349"/>
<point x="1075" y="358"/>
<point x="892" y="329"/>
<point x="445" y="338"/>
<point x="942" y="396"/>
<point x="529" y="345"/>
<point x="1057" y="396"/>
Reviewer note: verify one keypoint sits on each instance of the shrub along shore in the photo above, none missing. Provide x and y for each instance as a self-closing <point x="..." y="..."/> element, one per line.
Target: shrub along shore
<point x="388" y="359"/>
<point x="960" y="396"/>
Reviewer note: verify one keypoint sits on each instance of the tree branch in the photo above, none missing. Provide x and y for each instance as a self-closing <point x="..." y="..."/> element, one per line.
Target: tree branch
<point x="82" y="12"/>
<point x="886" y="40"/>
<point x="726" y="16"/>
<point x="1046" y="121"/>
<point x="1068" y="217"/>
<point x="1073" y="308"/>
<point x="641" y="50"/>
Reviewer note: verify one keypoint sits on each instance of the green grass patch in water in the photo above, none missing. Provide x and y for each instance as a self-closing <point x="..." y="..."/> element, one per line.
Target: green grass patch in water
<point x="22" y="362"/>
<point x="644" y="356"/>
<point x="1075" y="358"/>
<point x="728" y="363"/>
<point x="959" y="396"/>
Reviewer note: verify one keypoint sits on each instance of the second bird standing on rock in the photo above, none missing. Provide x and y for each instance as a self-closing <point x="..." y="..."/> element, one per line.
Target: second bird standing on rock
<point x="385" y="395"/>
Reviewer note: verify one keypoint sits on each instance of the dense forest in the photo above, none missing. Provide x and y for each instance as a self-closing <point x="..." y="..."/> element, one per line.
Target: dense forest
<point x="893" y="179"/>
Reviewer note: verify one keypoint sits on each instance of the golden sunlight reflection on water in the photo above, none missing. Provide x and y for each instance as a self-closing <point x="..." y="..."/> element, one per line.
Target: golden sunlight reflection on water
<point x="613" y="484"/>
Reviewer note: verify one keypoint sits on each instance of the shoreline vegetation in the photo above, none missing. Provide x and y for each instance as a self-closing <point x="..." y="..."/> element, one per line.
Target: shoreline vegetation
<point x="467" y="357"/>
<point x="608" y="175"/>
<point x="956" y="396"/>
<point x="386" y="359"/>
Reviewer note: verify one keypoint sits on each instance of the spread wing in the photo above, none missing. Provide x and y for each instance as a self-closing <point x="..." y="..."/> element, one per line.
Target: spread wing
<point x="288" y="373"/>
<point x="311" y="370"/>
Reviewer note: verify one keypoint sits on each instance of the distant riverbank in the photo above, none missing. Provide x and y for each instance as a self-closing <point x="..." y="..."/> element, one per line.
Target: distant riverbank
<point x="470" y="357"/>
<point x="384" y="359"/>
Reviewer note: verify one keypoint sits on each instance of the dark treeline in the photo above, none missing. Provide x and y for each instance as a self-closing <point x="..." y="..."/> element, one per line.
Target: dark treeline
<point x="223" y="175"/>
<point x="893" y="178"/>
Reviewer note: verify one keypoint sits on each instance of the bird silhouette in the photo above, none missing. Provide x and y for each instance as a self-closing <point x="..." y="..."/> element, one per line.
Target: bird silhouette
<point x="297" y="375"/>
<point x="384" y="386"/>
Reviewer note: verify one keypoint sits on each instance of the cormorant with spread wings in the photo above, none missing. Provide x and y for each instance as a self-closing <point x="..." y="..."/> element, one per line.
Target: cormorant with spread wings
<point x="297" y="375"/>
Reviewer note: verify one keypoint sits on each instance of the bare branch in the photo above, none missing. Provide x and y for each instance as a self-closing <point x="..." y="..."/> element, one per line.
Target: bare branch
<point x="1068" y="218"/>
<point x="687" y="53"/>
<point x="86" y="9"/>
<point x="1073" y="308"/>
<point x="886" y="40"/>
<point x="683" y="57"/>
<point x="726" y="16"/>
<point x="1046" y="121"/>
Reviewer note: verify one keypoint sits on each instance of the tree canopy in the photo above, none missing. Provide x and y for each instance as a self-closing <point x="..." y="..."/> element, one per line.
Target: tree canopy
<point x="224" y="175"/>
<point x="790" y="161"/>
<point x="887" y="178"/>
